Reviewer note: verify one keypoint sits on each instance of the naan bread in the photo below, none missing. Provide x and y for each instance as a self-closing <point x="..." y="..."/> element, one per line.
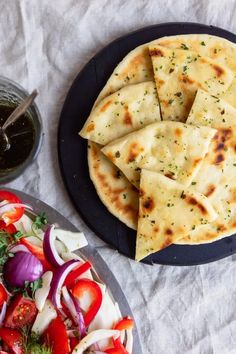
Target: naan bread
<point x="115" y="191"/>
<point x="167" y="212"/>
<point x="126" y="110"/>
<point x="136" y="67"/>
<point x="179" y="73"/>
<point x="216" y="48"/>
<point x="172" y="148"/>
<point x="216" y="177"/>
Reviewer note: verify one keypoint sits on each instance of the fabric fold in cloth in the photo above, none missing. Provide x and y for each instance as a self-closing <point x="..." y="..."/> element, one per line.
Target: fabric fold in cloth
<point x="44" y="45"/>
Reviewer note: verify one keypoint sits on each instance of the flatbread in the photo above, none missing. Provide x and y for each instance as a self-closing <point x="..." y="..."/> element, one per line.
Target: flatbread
<point x="216" y="176"/>
<point x="115" y="191"/>
<point x="126" y="110"/>
<point x="136" y="67"/>
<point x="219" y="49"/>
<point x="179" y="73"/>
<point x="172" y="148"/>
<point x="216" y="48"/>
<point x="167" y="212"/>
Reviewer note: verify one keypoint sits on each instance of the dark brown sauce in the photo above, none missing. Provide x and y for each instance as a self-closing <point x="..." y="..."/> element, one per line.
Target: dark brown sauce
<point x="21" y="135"/>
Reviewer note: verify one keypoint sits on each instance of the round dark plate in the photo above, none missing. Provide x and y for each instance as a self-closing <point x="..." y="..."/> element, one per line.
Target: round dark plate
<point x="72" y="150"/>
<point x="89" y="253"/>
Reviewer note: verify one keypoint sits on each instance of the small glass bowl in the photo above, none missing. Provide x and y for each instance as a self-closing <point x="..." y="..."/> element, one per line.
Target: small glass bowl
<point x="13" y="94"/>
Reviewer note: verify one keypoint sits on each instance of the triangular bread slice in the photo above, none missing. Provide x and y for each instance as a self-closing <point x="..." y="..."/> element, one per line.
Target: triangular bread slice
<point x="216" y="177"/>
<point x="173" y="148"/>
<point x="179" y="73"/>
<point x="126" y="110"/>
<point x="167" y="212"/>
<point x="115" y="191"/>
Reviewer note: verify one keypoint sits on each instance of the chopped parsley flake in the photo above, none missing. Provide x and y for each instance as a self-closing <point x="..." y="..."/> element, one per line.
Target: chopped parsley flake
<point x="183" y="46"/>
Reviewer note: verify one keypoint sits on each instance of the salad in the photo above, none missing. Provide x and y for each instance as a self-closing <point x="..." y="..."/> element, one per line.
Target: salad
<point x="51" y="300"/>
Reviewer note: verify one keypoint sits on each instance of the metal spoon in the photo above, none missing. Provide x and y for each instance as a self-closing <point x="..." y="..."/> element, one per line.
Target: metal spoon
<point x="21" y="109"/>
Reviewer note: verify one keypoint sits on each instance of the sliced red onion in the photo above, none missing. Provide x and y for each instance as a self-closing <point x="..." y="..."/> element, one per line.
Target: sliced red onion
<point x="18" y="248"/>
<point x="9" y="206"/>
<point x="24" y="266"/>
<point x="58" y="279"/>
<point x="75" y="311"/>
<point x="3" y="312"/>
<point x="49" y="247"/>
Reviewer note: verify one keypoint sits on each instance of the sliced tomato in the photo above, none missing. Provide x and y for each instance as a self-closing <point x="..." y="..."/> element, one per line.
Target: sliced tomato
<point x="21" y="312"/>
<point x="13" y="339"/>
<point x="3" y="294"/>
<point x="72" y="277"/>
<point x="37" y="252"/>
<point x="84" y="286"/>
<point x="11" y="229"/>
<point x="56" y="337"/>
<point x="125" y="323"/>
<point x="15" y="214"/>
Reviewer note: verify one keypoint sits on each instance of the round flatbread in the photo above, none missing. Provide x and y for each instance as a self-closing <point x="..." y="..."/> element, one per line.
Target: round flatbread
<point x="135" y="68"/>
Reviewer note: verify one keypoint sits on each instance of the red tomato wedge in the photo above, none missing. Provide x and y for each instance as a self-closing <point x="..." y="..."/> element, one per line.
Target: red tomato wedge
<point x="15" y="214"/>
<point x="3" y="294"/>
<point x="84" y="286"/>
<point x="13" y="339"/>
<point x="125" y="323"/>
<point x="20" y="312"/>
<point x="72" y="277"/>
<point x="37" y="252"/>
<point x="56" y="337"/>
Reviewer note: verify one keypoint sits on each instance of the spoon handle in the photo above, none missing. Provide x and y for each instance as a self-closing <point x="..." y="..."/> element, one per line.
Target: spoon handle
<point x="20" y="109"/>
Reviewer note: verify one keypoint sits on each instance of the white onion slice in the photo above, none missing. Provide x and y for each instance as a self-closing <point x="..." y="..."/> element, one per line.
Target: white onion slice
<point x="72" y="240"/>
<point x="129" y="341"/>
<point x="94" y="337"/>
<point x="44" y="318"/>
<point x="41" y="294"/>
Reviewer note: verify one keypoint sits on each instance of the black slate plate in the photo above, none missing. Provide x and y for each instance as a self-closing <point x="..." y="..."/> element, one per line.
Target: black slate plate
<point x="89" y="253"/>
<point x="72" y="150"/>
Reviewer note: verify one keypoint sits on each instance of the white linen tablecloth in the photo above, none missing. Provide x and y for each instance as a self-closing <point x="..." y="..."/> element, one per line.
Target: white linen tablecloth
<point x="43" y="45"/>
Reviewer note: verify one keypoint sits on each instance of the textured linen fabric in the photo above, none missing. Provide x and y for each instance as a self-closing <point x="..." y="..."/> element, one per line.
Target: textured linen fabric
<point x="43" y="45"/>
